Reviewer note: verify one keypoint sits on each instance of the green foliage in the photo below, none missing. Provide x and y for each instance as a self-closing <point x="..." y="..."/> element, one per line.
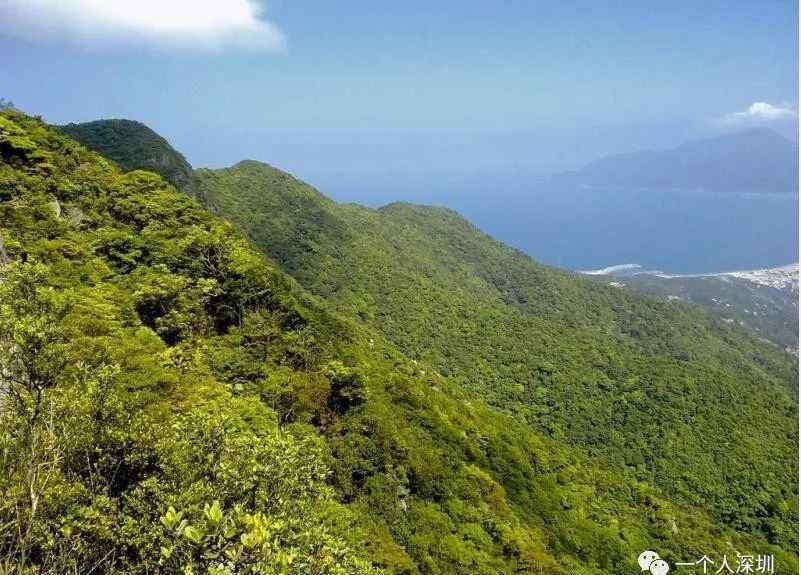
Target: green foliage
<point x="110" y="413"/>
<point x="656" y="389"/>
<point x="239" y="542"/>
<point x="175" y="306"/>
<point x="347" y="387"/>
<point x="199" y="412"/>
<point x="767" y="311"/>
<point x="134" y="146"/>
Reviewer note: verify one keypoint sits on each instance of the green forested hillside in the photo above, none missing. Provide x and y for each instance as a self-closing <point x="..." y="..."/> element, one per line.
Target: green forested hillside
<point x="174" y="403"/>
<point x="735" y="300"/>
<point x="132" y="145"/>
<point x="769" y="311"/>
<point x="657" y="389"/>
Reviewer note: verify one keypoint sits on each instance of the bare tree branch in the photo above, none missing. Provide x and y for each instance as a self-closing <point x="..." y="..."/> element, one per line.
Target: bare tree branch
<point x="4" y="259"/>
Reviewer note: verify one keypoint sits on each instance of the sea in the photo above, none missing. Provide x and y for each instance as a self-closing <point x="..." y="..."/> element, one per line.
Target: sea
<point x="672" y="231"/>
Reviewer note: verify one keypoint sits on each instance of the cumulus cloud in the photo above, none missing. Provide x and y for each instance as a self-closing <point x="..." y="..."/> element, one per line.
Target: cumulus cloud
<point x="195" y="24"/>
<point x="759" y="113"/>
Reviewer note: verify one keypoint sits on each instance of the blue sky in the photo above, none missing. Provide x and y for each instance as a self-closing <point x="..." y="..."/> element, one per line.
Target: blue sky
<point x="339" y="92"/>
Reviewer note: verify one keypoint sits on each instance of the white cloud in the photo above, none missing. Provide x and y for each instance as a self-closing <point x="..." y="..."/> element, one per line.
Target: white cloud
<point x="759" y="113"/>
<point x="195" y="24"/>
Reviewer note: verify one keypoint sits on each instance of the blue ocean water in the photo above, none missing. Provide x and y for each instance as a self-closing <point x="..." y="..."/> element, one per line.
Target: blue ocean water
<point x="673" y="231"/>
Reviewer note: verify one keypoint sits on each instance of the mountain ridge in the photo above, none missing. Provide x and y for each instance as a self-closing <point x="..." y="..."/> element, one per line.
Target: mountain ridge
<point x="580" y="364"/>
<point x="134" y="145"/>
<point x="375" y="271"/>
<point x="100" y="145"/>
<point x="255" y="408"/>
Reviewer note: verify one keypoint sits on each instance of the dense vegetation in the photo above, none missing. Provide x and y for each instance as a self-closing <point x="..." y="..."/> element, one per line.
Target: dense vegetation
<point x="132" y="145"/>
<point x="659" y="389"/>
<point x="172" y="402"/>
<point x="767" y="311"/>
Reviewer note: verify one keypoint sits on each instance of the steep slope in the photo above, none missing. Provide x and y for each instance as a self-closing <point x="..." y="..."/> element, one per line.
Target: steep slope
<point x="753" y="161"/>
<point x="174" y="403"/>
<point x="657" y="389"/>
<point x="134" y="146"/>
<point x="730" y="298"/>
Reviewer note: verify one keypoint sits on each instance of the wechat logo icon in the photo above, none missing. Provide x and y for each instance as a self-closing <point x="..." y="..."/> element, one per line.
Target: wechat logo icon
<point x="650" y="561"/>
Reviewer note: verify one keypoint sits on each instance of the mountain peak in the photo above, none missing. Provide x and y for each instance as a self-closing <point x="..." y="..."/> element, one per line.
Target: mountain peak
<point x="756" y="160"/>
<point x="134" y="146"/>
<point x="248" y="163"/>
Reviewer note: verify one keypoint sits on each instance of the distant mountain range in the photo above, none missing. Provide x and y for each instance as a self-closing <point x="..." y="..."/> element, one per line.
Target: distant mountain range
<point x="755" y="161"/>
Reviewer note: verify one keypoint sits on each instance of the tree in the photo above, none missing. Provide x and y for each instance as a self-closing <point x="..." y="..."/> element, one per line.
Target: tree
<point x="31" y="359"/>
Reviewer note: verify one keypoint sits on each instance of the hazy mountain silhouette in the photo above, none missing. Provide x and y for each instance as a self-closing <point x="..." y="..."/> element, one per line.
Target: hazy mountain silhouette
<point x="757" y="160"/>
